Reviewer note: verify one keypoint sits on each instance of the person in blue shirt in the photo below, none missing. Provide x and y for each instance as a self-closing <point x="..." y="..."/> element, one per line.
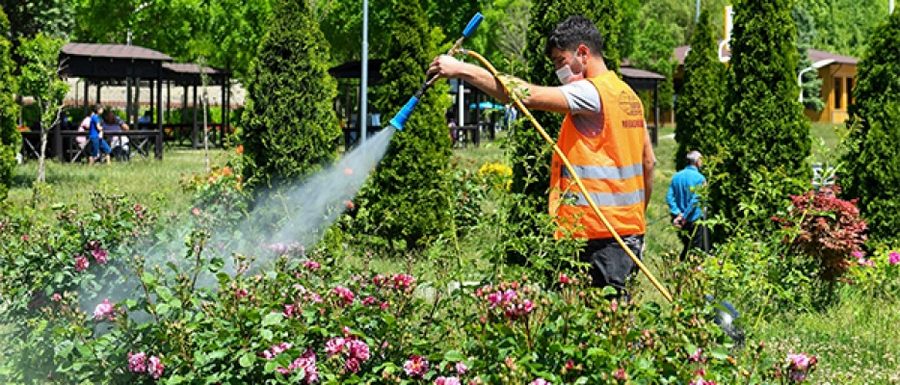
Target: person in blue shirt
<point x="95" y="135"/>
<point x="684" y="206"/>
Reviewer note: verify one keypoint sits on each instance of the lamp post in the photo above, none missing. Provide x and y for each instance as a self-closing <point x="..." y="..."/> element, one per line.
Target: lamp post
<point x="814" y="66"/>
<point x="364" y="77"/>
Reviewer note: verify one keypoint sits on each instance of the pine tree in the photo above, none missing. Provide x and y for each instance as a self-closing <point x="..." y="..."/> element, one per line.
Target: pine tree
<point x="872" y="167"/>
<point x="530" y="153"/>
<point x="290" y="127"/>
<point x="408" y="197"/>
<point x="10" y="140"/>
<point x="699" y="117"/>
<point x="767" y="132"/>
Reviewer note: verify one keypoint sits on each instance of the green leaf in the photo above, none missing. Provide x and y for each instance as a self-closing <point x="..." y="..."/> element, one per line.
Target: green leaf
<point x="247" y="360"/>
<point x="272" y="319"/>
<point x="454" y="356"/>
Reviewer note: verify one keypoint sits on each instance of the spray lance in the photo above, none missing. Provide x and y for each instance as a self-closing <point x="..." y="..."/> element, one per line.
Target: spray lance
<point x="399" y="120"/>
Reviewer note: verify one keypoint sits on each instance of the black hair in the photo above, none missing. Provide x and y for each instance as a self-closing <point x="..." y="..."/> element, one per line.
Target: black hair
<point x="97" y="108"/>
<point x="573" y="31"/>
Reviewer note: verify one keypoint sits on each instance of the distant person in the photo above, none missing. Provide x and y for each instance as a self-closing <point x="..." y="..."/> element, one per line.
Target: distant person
<point x="112" y="124"/>
<point x="98" y="145"/>
<point x="684" y="206"/>
<point x="145" y="120"/>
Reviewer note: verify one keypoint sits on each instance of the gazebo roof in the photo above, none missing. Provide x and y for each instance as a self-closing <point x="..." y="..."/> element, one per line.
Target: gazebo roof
<point x="640" y="79"/>
<point x="190" y="73"/>
<point x="111" y="61"/>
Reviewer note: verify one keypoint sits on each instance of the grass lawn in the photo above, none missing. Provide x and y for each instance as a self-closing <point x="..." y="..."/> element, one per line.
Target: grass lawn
<point x="147" y="180"/>
<point x="857" y="340"/>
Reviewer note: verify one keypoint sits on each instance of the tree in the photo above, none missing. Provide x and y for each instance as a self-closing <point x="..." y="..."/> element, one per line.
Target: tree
<point x="408" y="196"/>
<point x="766" y="128"/>
<point x="40" y="79"/>
<point x="872" y="168"/>
<point x="530" y="154"/>
<point x="290" y="128"/>
<point x="54" y="18"/>
<point x="843" y="26"/>
<point x="10" y="140"/>
<point x="806" y="34"/>
<point x="699" y="117"/>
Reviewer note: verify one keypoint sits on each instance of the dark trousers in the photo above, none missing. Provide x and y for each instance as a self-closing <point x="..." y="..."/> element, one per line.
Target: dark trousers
<point x="610" y="265"/>
<point x="693" y="235"/>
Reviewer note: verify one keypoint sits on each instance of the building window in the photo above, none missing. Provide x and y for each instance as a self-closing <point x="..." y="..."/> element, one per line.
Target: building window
<point x="849" y="92"/>
<point x="838" y="92"/>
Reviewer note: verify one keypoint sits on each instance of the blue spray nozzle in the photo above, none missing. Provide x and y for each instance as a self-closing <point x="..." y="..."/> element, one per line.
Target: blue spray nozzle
<point x="399" y="120"/>
<point x="473" y="24"/>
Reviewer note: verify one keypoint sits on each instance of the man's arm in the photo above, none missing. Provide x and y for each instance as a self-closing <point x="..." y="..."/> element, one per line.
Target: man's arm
<point x="537" y="97"/>
<point x="649" y="160"/>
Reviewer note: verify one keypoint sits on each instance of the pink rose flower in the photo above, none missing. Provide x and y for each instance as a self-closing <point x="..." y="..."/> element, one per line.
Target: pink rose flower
<point x="620" y="374"/>
<point x="344" y="294"/>
<point x="312" y="265"/>
<point x="56" y="297"/>
<point x="351" y="365"/>
<point x="137" y="362"/>
<point x="696" y="356"/>
<point x="403" y="282"/>
<point x="539" y="381"/>
<point x="894" y="258"/>
<point x="446" y="381"/>
<point x="104" y="311"/>
<point x="156" y="368"/>
<point x="100" y="255"/>
<point x="369" y="301"/>
<point x="564" y="279"/>
<point x="81" y="263"/>
<point x="240" y="293"/>
<point x="334" y="346"/>
<point x="461" y="368"/>
<point x="289" y="310"/>
<point x="416" y="366"/>
<point x="359" y="350"/>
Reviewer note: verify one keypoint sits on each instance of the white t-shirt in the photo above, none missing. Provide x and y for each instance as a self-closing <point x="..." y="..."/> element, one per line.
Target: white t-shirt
<point x="585" y="106"/>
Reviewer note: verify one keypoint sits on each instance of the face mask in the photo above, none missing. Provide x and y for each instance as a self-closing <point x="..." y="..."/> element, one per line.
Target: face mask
<point x="566" y="75"/>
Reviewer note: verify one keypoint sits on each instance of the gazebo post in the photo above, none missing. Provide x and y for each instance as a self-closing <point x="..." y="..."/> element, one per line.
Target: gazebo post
<point x="225" y="123"/>
<point x="194" y="137"/>
<point x="87" y="102"/>
<point x="184" y="101"/>
<point x="655" y="113"/>
<point x="128" y="98"/>
<point x="159" y="127"/>
<point x="168" y="101"/>
<point x="136" y="106"/>
<point x="152" y="97"/>
<point x="99" y="86"/>
<point x="224" y="112"/>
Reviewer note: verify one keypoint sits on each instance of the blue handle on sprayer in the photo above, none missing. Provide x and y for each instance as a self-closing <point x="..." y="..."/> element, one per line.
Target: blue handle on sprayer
<point x="399" y="120"/>
<point x="473" y="24"/>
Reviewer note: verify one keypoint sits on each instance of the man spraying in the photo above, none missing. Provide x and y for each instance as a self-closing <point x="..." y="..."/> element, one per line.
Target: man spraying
<point x="603" y="134"/>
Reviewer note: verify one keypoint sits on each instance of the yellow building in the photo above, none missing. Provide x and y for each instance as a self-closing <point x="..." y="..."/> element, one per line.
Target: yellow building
<point x="838" y="74"/>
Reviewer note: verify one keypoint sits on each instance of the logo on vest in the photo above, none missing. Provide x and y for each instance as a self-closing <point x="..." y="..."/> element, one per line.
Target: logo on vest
<point x="629" y="103"/>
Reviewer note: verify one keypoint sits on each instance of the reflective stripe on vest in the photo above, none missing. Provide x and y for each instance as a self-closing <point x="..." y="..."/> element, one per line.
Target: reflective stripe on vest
<point x="606" y="199"/>
<point x="604" y="172"/>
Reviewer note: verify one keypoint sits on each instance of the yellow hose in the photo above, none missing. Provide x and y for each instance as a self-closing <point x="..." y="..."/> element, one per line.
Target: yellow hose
<point x="558" y="151"/>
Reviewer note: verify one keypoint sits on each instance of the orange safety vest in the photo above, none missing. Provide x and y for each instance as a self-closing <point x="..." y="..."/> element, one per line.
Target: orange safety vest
<point x="610" y="165"/>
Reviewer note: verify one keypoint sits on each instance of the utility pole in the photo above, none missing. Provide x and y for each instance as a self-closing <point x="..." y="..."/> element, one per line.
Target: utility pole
<point x="697" y="13"/>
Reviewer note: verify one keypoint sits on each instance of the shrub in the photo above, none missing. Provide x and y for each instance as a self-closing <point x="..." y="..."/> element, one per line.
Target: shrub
<point x="872" y="169"/>
<point x="699" y="116"/>
<point x="290" y="128"/>
<point x="10" y="140"/>
<point x="830" y="229"/>
<point x="766" y="128"/>
<point x="408" y="197"/>
<point x="304" y="321"/>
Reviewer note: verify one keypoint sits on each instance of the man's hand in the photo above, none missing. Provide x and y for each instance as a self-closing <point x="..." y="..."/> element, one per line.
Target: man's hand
<point x="678" y="221"/>
<point x="446" y="66"/>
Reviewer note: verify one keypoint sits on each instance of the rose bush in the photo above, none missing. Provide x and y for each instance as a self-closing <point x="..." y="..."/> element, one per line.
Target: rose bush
<point x="306" y="320"/>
